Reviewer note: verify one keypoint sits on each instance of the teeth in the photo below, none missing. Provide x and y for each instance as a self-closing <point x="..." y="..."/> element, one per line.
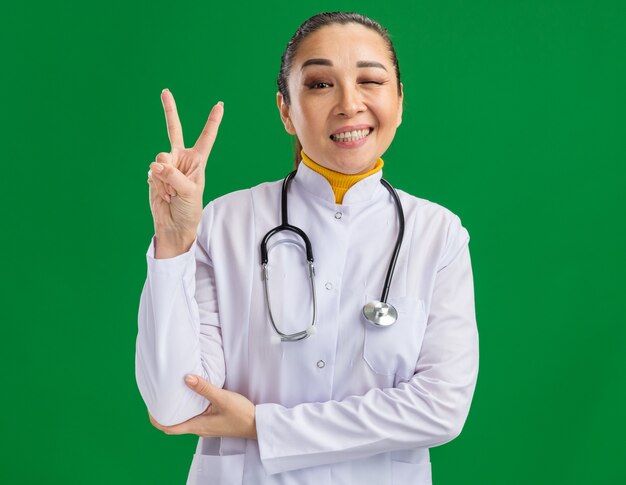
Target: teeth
<point x="351" y="135"/>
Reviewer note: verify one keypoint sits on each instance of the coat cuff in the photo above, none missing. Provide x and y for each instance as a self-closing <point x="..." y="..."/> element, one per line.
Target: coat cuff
<point x="170" y="267"/>
<point x="270" y="445"/>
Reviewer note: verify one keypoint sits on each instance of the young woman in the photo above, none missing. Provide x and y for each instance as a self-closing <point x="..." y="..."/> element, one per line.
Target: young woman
<point x="341" y="358"/>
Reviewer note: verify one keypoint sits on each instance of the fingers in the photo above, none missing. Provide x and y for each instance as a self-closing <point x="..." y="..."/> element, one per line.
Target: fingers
<point x="163" y="189"/>
<point x="174" y="128"/>
<point x="205" y="142"/>
<point x="203" y="387"/>
<point x="154" y="422"/>
<point x="166" y="158"/>
<point x="225" y="416"/>
<point x="166" y="174"/>
<point x="205" y="424"/>
<point x="159" y="187"/>
<point x="181" y="428"/>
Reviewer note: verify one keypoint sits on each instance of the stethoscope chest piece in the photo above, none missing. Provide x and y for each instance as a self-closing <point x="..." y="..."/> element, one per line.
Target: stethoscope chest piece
<point x="380" y="314"/>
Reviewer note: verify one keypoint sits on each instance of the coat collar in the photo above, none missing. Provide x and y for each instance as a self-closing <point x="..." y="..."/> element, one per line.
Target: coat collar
<point x="316" y="184"/>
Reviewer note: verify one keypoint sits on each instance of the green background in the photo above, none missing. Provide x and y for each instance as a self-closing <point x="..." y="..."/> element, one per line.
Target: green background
<point x="514" y="120"/>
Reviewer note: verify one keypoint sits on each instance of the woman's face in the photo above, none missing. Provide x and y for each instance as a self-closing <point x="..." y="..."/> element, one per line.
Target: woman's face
<point x="344" y="100"/>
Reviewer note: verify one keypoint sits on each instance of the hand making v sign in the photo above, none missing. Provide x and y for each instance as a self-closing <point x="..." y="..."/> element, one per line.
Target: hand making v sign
<point x="176" y="182"/>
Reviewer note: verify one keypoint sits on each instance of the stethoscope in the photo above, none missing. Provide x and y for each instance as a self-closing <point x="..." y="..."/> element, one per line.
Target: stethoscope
<point x="378" y="313"/>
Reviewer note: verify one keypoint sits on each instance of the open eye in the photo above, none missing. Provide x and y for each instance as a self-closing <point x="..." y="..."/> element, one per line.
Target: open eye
<point x="318" y="85"/>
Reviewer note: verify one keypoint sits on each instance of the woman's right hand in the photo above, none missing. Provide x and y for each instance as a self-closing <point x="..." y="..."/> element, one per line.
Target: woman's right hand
<point x="176" y="182"/>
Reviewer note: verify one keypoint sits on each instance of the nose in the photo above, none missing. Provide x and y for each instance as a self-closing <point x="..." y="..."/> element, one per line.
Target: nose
<point x="349" y="101"/>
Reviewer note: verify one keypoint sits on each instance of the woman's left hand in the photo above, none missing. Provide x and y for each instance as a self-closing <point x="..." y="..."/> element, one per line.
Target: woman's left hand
<point x="229" y="414"/>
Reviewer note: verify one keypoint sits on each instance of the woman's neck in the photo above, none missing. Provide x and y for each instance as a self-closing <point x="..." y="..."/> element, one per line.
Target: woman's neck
<point x="340" y="182"/>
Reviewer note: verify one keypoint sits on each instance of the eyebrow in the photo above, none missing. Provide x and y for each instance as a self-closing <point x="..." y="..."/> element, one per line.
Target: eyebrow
<point x="370" y="64"/>
<point x="328" y="62"/>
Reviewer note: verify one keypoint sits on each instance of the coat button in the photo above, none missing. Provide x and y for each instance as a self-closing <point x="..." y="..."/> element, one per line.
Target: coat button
<point x="338" y="215"/>
<point x="328" y="285"/>
<point x="321" y="364"/>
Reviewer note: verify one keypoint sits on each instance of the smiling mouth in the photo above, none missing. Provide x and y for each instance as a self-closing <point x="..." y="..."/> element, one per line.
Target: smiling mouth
<point x="351" y="135"/>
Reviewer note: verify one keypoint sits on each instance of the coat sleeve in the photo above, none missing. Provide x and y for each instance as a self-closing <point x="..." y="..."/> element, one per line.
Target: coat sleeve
<point x="428" y="410"/>
<point x="179" y="330"/>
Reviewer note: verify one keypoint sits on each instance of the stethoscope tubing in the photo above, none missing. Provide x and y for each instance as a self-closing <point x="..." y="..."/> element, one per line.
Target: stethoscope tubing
<point x="396" y="249"/>
<point x="285" y="226"/>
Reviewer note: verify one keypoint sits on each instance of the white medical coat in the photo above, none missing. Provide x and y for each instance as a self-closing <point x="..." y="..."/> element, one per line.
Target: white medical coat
<point x="352" y="404"/>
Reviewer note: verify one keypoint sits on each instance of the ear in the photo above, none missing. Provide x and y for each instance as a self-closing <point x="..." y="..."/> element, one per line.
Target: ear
<point x="283" y="109"/>
<point x="399" y="122"/>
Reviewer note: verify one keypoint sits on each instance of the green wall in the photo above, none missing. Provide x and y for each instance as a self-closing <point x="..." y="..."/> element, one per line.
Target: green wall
<point x="514" y="120"/>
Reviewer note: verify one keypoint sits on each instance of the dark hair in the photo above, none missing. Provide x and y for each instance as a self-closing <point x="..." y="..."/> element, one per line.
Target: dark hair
<point x="313" y="24"/>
